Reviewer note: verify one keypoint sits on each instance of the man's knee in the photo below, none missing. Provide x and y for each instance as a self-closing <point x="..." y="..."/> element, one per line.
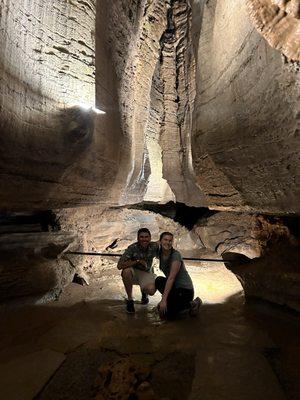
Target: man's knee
<point x="149" y="289"/>
<point x="127" y="274"/>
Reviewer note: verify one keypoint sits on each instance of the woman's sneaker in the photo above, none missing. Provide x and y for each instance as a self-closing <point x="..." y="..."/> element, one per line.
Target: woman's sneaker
<point x="130" y="306"/>
<point x="195" y="306"/>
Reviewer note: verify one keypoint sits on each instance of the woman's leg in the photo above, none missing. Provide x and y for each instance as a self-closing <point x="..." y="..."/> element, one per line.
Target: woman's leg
<point x="179" y="299"/>
<point x="160" y="283"/>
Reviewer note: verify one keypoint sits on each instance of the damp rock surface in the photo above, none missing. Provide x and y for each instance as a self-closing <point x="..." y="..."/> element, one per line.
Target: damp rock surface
<point x="246" y="234"/>
<point x="220" y="354"/>
<point x="274" y="277"/>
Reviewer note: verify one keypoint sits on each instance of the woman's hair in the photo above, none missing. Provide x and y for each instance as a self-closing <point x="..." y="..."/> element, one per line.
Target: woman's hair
<point x="165" y="234"/>
<point x="160" y="249"/>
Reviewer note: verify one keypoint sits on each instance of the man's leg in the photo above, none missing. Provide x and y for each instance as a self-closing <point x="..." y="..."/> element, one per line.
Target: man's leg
<point x="149" y="289"/>
<point x="146" y="281"/>
<point x="127" y="277"/>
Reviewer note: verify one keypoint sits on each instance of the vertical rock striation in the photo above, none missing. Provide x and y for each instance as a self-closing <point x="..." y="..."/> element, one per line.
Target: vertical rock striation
<point x="50" y="153"/>
<point x="246" y="118"/>
<point x="178" y="76"/>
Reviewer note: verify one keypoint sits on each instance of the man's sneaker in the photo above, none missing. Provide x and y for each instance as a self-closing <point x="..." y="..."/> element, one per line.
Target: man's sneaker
<point x="130" y="306"/>
<point x="145" y="299"/>
<point x="195" y="306"/>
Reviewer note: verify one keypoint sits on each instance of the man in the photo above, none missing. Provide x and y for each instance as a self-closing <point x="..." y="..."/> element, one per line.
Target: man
<point x="136" y="266"/>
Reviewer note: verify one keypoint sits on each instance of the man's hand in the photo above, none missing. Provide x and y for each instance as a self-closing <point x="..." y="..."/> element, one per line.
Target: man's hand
<point x="141" y="264"/>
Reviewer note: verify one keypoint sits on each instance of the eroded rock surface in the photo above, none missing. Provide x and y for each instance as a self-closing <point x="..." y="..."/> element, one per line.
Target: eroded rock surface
<point x="51" y="152"/>
<point x="245" y="234"/>
<point x="195" y="112"/>
<point x="275" y="277"/>
<point x="32" y="264"/>
<point x="118" y="227"/>
<point x="246" y="121"/>
<point x="279" y="23"/>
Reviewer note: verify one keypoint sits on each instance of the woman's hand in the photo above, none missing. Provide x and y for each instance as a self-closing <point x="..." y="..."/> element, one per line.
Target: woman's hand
<point x="162" y="307"/>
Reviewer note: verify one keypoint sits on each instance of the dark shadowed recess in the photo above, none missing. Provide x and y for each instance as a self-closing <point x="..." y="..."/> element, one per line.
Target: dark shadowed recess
<point x="179" y="212"/>
<point x="28" y="221"/>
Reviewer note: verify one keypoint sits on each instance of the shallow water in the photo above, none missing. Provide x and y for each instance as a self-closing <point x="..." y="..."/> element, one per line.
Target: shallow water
<point x="231" y="351"/>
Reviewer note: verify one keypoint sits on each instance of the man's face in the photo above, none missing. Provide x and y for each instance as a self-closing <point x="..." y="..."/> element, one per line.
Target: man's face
<point x="144" y="239"/>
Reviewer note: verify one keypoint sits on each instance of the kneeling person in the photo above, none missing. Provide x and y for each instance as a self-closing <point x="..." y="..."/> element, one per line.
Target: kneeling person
<point x="136" y="266"/>
<point x="177" y="287"/>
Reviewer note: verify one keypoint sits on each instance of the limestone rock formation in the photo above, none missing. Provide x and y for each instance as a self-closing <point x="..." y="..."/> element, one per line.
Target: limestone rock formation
<point x="190" y="105"/>
<point x="55" y="150"/>
<point x="118" y="228"/>
<point x="246" y="115"/>
<point x="199" y="109"/>
<point x="279" y="23"/>
<point x="275" y="277"/>
<point x="240" y="233"/>
<point x="124" y="379"/>
<point x="32" y="264"/>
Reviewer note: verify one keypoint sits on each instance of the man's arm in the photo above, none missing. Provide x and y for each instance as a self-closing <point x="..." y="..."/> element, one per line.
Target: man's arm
<point x="130" y="263"/>
<point x="127" y="260"/>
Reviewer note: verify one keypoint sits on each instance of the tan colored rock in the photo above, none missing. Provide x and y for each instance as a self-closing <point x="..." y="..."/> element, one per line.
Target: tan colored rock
<point x="118" y="380"/>
<point x="32" y="264"/>
<point x="275" y="277"/>
<point x="198" y="110"/>
<point x="279" y="22"/>
<point x="101" y="228"/>
<point x="54" y="152"/>
<point x="239" y="233"/>
<point x="245" y="135"/>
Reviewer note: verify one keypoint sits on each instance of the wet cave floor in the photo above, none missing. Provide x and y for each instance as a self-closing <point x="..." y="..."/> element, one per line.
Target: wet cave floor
<point x="85" y="346"/>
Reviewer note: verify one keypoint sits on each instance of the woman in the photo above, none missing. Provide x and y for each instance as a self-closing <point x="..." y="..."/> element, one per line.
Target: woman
<point x="177" y="288"/>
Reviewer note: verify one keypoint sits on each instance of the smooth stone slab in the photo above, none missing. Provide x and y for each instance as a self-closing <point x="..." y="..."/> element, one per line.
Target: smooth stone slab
<point x="24" y="377"/>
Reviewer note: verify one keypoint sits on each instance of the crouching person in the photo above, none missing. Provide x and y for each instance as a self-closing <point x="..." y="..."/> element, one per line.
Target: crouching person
<point x="136" y="266"/>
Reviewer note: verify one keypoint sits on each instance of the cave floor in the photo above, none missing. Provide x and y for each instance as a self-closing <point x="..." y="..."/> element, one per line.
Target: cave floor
<point x="85" y="347"/>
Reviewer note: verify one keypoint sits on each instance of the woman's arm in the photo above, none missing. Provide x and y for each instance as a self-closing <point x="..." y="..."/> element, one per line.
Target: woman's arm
<point x="175" y="267"/>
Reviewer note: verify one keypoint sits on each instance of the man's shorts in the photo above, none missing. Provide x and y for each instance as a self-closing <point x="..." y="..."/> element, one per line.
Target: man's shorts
<point x="142" y="278"/>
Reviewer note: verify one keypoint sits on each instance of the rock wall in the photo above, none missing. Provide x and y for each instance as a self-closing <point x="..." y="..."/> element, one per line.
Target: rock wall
<point x="245" y="141"/>
<point x="241" y="233"/>
<point x="51" y="154"/>
<point x="279" y="22"/>
<point x="199" y="108"/>
<point x="151" y="45"/>
<point x="33" y="265"/>
<point x="274" y="277"/>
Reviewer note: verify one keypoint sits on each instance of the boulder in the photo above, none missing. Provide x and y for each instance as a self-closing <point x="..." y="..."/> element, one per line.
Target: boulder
<point x="274" y="277"/>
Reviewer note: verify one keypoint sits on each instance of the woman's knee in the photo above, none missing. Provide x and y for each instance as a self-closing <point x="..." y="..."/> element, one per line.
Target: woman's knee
<point x="160" y="283"/>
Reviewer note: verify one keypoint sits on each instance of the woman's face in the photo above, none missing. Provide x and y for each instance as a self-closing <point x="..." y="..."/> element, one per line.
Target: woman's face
<point x="166" y="242"/>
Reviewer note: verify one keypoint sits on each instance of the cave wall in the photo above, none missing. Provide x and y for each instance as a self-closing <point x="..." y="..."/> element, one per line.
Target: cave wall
<point x="51" y="155"/>
<point x="199" y="107"/>
<point x="246" y="116"/>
